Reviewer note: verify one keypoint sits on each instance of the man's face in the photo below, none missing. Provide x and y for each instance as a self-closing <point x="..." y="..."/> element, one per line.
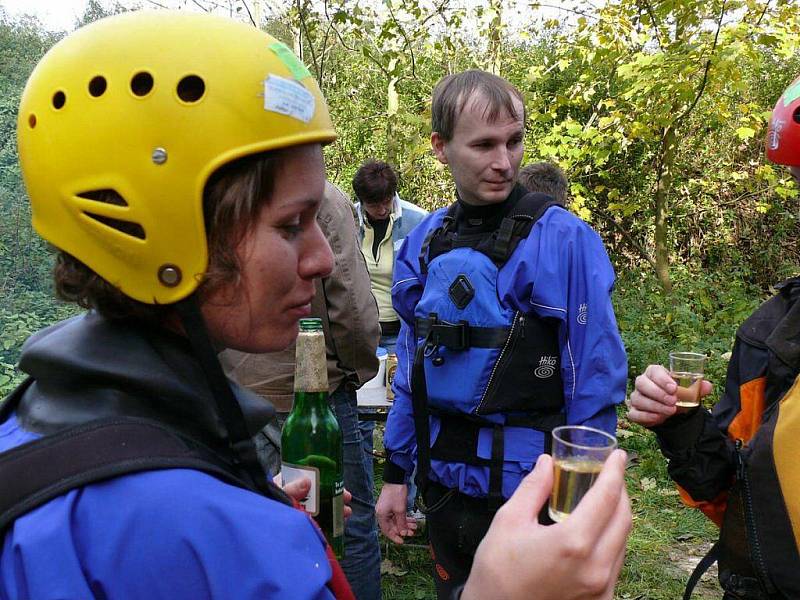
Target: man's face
<point x="483" y="156"/>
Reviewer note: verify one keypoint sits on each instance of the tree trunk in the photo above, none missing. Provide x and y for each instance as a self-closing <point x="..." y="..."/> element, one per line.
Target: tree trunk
<point x="663" y="187"/>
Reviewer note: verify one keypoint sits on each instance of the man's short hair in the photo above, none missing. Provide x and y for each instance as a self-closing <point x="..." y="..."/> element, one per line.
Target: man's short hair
<point x="547" y="178"/>
<point x="453" y="91"/>
<point x="374" y="182"/>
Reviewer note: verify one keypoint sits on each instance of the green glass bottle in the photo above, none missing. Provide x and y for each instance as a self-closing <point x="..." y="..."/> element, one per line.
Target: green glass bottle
<point x="311" y="441"/>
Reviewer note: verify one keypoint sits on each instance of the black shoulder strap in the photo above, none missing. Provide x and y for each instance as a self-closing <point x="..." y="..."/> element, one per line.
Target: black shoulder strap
<point x="443" y="231"/>
<point x="36" y="472"/>
<point x="532" y="206"/>
<point x="705" y="563"/>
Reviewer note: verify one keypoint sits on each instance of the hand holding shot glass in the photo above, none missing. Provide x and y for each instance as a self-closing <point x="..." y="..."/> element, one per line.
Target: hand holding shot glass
<point x="578" y="456"/>
<point x="686" y="370"/>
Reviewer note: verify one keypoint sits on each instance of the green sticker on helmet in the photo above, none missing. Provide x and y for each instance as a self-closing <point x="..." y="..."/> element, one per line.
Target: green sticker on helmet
<point x="287" y="57"/>
<point x="792" y="93"/>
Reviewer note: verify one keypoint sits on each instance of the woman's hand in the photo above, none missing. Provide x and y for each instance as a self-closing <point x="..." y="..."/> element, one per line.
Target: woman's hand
<point x="298" y="489"/>
<point x="579" y="558"/>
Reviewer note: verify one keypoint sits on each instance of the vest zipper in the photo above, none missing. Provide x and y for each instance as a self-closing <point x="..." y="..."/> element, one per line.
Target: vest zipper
<point x="750" y="524"/>
<point x="518" y="318"/>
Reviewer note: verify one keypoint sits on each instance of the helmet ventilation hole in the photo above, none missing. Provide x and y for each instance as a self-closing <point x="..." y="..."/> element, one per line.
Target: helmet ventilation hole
<point x="127" y="227"/>
<point x="31" y="120"/>
<point x="109" y="196"/>
<point x="59" y="99"/>
<point x="106" y="196"/>
<point x="796" y="115"/>
<point x="142" y="83"/>
<point x="191" y="88"/>
<point x="97" y="86"/>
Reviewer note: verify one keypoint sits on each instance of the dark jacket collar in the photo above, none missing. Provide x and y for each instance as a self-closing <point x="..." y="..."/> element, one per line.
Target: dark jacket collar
<point x="88" y="367"/>
<point x="473" y="219"/>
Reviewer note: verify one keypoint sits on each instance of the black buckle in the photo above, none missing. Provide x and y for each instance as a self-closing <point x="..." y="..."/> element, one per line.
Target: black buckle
<point x="461" y="291"/>
<point x="454" y="337"/>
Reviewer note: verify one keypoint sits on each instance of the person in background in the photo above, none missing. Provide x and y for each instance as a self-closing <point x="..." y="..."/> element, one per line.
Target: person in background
<point x="546" y="178"/>
<point x="349" y="316"/>
<point x="507" y="331"/>
<point x="384" y="221"/>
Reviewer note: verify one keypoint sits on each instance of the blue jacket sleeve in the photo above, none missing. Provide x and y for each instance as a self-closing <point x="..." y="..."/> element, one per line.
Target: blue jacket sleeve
<point x="564" y="273"/>
<point x="399" y="437"/>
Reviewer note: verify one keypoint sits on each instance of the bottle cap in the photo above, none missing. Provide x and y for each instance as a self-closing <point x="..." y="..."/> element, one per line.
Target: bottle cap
<point x="312" y="324"/>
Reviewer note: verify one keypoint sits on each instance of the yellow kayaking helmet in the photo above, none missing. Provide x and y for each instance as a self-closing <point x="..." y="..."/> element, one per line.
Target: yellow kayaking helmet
<point x="142" y="108"/>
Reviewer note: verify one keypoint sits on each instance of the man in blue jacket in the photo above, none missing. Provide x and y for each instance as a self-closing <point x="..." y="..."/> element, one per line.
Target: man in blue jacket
<point x="507" y="330"/>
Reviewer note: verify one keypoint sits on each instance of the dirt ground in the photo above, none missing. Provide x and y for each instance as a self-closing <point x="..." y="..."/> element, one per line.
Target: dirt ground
<point x="685" y="557"/>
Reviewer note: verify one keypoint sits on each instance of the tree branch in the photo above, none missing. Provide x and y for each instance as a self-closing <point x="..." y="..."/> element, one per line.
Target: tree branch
<point x="702" y="87"/>
<point x="304" y="28"/>
<point x="405" y="37"/>
<point x="201" y="6"/>
<point x="249" y="14"/>
<point x="763" y="12"/>
<point x="656" y="24"/>
<point x="626" y="236"/>
<point x="324" y="54"/>
<point x="570" y="10"/>
<point x="154" y="3"/>
<point x="367" y="54"/>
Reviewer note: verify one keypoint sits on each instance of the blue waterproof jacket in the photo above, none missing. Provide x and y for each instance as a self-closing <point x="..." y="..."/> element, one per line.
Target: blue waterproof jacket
<point x="560" y="271"/>
<point x="173" y="533"/>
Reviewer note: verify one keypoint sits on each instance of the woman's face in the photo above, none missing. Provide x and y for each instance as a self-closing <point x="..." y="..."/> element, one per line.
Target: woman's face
<point x="279" y="258"/>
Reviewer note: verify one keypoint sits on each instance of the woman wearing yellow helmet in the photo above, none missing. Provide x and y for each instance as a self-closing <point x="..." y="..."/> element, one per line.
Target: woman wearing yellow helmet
<point x="180" y="184"/>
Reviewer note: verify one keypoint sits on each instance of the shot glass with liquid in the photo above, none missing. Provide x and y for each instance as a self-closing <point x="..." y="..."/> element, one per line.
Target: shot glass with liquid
<point x="686" y="370"/>
<point x="578" y="456"/>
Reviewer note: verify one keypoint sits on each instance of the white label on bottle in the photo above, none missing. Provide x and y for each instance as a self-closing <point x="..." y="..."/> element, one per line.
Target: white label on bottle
<point x="290" y="472"/>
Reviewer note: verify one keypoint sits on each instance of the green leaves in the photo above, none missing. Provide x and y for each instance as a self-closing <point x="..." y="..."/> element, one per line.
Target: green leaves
<point x="745" y="133"/>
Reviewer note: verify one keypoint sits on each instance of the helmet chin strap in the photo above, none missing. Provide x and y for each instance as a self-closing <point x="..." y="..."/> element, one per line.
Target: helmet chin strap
<point x="239" y="439"/>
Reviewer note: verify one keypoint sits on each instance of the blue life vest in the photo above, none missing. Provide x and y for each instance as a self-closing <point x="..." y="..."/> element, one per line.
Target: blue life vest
<point x="478" y="363"/>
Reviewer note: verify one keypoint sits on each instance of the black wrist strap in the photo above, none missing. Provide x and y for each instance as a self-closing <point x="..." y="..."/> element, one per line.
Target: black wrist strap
<point x="393" y="473"/>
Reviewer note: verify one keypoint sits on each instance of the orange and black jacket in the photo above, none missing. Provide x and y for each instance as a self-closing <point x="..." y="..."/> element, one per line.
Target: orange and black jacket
<point x="725" y="461"/>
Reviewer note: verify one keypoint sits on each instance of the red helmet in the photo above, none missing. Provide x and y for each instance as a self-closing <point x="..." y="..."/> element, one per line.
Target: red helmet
<point x="783" y="134"/>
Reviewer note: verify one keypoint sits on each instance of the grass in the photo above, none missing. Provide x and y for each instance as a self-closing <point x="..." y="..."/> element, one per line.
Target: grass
<point x="666" y="541"/>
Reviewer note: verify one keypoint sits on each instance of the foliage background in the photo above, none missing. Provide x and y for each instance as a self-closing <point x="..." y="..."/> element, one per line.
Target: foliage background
<point x="656" y="109"/>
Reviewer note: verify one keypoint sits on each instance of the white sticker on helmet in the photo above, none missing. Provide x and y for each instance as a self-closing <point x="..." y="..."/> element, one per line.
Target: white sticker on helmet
<point x="289" y="98"/>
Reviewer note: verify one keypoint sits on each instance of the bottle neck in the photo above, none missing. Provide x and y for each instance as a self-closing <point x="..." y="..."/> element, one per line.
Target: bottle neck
<point x="310" y="365"/>
<point x="309" y="402"/>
